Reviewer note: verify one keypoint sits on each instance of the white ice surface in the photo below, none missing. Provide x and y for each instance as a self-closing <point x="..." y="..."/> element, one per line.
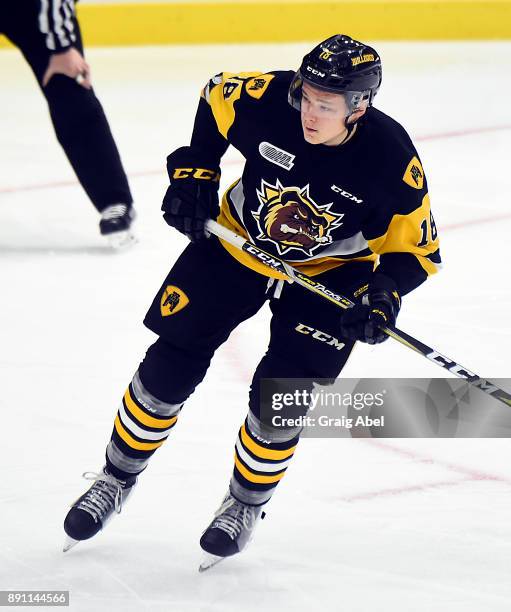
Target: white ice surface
<point x="356" y="525"/>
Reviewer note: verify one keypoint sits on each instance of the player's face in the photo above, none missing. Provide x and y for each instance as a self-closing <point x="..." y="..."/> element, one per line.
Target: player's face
<point x="323" y="116"/>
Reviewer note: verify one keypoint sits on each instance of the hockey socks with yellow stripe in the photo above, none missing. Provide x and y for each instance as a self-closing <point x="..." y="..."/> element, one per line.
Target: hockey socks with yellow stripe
<point x="262" y="456"/>
<point x="141" y="426"/>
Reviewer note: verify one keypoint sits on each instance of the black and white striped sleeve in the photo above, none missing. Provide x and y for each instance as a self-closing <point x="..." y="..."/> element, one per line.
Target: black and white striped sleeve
<point x="57" y="23"/>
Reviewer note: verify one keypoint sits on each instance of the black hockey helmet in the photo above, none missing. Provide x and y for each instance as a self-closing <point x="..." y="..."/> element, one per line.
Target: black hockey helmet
<point x="339" y="65"/>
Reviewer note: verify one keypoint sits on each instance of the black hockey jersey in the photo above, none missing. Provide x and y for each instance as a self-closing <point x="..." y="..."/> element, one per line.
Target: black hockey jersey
<point x="318" y="206"/>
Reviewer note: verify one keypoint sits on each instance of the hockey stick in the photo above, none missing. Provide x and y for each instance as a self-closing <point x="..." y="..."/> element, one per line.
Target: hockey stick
<point x="343" y="302"/>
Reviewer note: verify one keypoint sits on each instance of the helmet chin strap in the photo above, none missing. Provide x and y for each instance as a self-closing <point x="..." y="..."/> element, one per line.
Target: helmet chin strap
<point x="349" y="126"/>
<point x="349" y="129"/>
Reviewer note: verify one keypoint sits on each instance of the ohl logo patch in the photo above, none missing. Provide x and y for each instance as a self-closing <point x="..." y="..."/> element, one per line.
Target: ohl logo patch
<point x="172" y="300"/>
<point x="290" y="219"/>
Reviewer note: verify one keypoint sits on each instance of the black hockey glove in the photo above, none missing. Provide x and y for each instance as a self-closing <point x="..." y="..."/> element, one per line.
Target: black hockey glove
<point x="192" y="196"/>
<point x="379" y="306"/>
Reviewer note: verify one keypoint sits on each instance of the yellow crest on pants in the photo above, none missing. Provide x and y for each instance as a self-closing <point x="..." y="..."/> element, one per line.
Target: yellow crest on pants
<point x="173" y="300"/>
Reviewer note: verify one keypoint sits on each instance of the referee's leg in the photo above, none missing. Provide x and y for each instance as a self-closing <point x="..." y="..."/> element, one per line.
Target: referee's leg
<point x="78" y="118"/>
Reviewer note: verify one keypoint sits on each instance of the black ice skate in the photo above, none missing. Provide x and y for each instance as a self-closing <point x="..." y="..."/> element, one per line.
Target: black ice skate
<point x="230" y="531"/>
<point x="115" y="225"/>
<point x="90" y="512"/>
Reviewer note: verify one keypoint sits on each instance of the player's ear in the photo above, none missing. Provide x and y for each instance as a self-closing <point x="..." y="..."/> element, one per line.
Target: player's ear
<point x="356" y="115"/>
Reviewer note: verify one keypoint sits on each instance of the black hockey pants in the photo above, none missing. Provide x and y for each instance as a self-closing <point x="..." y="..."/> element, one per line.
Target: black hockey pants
<point x="221" y="293"/>
<point x="204" y="297"/>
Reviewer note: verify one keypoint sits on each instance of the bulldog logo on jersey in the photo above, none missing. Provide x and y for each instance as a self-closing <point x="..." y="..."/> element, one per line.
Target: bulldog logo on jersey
<point x="172" y="300"/>
<point x="290" y="219"/>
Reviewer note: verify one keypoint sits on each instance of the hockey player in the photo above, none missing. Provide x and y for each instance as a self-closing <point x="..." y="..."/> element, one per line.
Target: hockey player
<point x="331" y="185"/>
<point x="48" y="34"/>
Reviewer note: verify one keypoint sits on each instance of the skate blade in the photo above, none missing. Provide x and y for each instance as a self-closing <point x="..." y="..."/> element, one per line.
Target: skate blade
<point x="120" y="241"/>
<point x="69" y="543"/>
<point x="208" y="561"/>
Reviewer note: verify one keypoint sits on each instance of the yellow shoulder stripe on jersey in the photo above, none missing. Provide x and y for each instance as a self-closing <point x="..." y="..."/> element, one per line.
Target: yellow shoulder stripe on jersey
<point x="258" y="478"/>
<point x="223" y="96"/>
<point x="405" y="234"/>
<point x="414" y="174"/>
<point x="130" y="441"/>
<point x="261" y="451"/>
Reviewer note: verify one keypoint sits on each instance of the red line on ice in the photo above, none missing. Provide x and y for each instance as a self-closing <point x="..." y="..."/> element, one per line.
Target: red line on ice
<point x="461" y="133"/>
<point x="479" y="221"/>
<point x="402" y="490"/>
<point x="469" y="474"/>
<point x="439" y="136"/>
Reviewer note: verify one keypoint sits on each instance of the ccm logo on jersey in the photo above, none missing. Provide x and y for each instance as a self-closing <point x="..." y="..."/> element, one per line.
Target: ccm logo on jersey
<point x="276" y="156"/>
<point x="346" y="194"/>
<point x="317" y="334"/>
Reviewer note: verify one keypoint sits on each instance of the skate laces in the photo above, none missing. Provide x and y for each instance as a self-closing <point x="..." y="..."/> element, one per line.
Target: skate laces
<point x="233" y="516"/>
<point x="114" y="211"/>
<point x="105" y="493"/>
